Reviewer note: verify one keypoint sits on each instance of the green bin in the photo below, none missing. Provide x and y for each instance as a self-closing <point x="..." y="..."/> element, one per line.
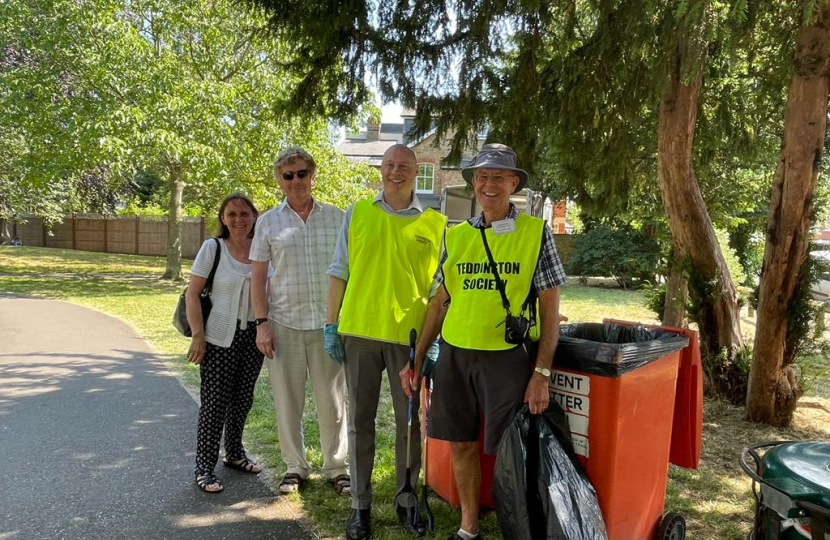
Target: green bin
<point x="791" y="485"/>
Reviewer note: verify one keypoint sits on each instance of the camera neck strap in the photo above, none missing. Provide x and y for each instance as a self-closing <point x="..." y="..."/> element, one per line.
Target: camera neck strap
<point x="530" y="301"/>
<point x="494" y="268"/>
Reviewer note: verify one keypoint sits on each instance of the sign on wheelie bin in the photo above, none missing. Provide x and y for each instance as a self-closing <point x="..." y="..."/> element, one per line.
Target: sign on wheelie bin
<point x="618" y="383"/>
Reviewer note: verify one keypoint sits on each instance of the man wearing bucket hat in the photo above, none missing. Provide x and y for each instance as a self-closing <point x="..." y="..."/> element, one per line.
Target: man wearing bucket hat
<point x="383" y="265"/>
<point x="493" y="266"/>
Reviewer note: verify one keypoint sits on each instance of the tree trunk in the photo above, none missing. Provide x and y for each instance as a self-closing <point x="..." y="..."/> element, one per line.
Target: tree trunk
<point x="174" y="221"/>
<point x="5" y="234"/>
<point x="693" y="235"/>
<point x="773" y="388"/>
<point x="674" y="309"/>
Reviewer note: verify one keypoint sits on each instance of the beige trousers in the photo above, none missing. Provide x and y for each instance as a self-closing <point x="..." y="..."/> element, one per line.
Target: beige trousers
<point x="300" y="356"/>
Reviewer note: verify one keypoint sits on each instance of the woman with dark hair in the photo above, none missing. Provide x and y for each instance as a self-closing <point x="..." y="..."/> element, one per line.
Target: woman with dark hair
<point x="224" y="346"/>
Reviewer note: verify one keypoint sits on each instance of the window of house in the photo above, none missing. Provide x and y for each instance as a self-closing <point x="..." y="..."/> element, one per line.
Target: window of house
<point x="408" y="124"/>
<point x="425" y="181"/>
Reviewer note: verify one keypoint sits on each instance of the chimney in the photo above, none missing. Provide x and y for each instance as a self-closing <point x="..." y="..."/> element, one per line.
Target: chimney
<point x="372" y="130"/>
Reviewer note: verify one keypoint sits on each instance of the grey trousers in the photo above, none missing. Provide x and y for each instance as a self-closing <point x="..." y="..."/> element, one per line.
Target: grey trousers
<point x="366" y="360"/>
<point x="300" y="356"/>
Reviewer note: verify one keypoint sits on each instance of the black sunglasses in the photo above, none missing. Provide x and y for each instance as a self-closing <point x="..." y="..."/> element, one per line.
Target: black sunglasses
<point x="302" y="173"/>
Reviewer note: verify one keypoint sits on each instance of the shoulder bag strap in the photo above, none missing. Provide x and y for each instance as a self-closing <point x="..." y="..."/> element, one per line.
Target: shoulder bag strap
<point x="530" y="301"/>
<point x="499" y="283"/>
<point x="209" y="284"/>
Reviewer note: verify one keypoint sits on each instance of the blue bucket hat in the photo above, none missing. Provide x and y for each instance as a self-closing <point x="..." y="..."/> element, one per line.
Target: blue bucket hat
<point x="495" y="156"/>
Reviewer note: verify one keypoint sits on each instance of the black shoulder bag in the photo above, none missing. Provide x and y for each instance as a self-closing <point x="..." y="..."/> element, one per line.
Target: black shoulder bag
<point x="516" y="328"/>
<point x="180" y="316"/>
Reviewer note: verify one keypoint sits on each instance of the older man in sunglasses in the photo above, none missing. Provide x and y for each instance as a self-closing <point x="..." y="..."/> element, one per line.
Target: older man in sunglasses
<point x="297" y="238"/>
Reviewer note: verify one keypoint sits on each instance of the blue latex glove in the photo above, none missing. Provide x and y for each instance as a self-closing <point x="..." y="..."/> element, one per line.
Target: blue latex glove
<point x="430" y="358"/>
<point x="333" y="345"/>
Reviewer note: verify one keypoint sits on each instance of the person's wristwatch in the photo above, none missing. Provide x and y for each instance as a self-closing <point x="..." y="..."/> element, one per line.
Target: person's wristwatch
<point x="257" y="322"/>
<point x="543" y="370"/>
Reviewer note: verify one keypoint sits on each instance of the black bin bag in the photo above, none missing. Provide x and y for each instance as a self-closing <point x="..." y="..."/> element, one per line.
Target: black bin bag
<point x="539" y="490"/>
<point x="611" y="349"/>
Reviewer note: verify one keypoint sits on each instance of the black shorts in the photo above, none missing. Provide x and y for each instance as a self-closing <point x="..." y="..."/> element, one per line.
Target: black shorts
<point x="469" y="384"/>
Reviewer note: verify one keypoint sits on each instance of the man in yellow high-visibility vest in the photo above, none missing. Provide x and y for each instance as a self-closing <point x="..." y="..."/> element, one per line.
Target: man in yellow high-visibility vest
<point x="489" y="265"/>
<point x="384" y="262"/>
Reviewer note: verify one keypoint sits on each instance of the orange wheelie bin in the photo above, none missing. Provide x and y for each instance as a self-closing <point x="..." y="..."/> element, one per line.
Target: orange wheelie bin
<point x="618" y="383"/>
<point x="633" y="395"/>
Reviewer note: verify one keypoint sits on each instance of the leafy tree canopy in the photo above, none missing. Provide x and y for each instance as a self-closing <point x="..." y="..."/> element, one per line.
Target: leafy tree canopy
<point x="115" y="86"/>
<point x="574" y="86"/>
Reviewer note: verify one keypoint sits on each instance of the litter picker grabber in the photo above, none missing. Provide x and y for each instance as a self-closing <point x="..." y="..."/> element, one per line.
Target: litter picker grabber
<point x="406" y="502"/>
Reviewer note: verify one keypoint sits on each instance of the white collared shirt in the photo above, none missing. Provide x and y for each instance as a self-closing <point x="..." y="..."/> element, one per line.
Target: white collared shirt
<point x="299" y="253"/>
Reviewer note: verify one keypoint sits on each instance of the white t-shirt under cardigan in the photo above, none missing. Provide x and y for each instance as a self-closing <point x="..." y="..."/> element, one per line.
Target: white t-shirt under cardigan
<point x="231" y="294"/>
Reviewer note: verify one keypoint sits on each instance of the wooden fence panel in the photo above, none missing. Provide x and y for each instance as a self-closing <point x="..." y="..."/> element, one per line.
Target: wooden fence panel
<point x="191" y="237"/>
<point x="152" y="238"/>
<point x="121" y="235"/>
<point x="89" y="234"/>
<point x="61" y="236"/>
<point x="31" y="232"/>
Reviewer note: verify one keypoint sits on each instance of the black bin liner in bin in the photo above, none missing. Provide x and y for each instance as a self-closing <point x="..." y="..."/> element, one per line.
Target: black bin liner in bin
<point x="539" y="490"/>
<point x="613" y="349"/>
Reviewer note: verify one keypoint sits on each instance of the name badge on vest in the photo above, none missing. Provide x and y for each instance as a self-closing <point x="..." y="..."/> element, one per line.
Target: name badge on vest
<point x="505" y="226"/>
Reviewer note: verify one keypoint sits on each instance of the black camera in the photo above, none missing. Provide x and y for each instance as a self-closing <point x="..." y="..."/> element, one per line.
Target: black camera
<point x="516" y="329"/>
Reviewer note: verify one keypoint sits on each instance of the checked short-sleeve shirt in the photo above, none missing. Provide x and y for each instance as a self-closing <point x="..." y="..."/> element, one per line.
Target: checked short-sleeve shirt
<point x="300" y="253"/>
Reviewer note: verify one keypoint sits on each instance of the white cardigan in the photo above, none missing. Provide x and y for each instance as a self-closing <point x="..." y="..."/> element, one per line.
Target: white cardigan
<point x="231" y="294"/>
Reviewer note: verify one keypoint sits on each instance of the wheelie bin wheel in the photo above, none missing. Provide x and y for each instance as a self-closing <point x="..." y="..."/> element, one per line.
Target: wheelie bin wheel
<point x="672" y="527"/>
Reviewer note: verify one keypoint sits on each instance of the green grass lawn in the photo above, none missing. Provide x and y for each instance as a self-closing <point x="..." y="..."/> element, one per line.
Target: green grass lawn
<point x="715" y="499"/>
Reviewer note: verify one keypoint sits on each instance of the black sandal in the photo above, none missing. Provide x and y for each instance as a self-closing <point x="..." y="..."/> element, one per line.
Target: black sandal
<point x="244" y="465"/>
<point x="342" y="484"/>
<point x="205" y="480"/>
<point x="291" y="483"/>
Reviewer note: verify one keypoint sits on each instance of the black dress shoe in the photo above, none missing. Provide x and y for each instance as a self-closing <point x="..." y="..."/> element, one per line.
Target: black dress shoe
<point x="415" y="529"/>
<point x="360" y="524"/>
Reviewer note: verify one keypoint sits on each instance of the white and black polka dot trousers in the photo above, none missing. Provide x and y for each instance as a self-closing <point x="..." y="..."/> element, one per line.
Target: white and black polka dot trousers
<point x="227" y="393"/>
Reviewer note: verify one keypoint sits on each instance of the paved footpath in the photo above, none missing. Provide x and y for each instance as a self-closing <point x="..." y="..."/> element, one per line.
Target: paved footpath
<point x="97" y="439"/>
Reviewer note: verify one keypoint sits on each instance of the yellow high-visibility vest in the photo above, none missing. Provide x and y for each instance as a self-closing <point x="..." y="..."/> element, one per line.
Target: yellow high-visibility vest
<point x="475" y="319"/>
<point x="392" y="260"/>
